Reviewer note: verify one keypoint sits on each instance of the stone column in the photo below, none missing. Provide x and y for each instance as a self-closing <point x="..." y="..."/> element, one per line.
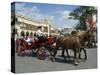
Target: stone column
<point x="42" y="28"/>
<point x="49" y="29"/>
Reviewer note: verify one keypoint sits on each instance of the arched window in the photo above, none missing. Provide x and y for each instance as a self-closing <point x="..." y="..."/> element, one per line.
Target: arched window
<point x="22" y="33"/>
<point x="31" y="33"/>
<point x="27" y="33"/>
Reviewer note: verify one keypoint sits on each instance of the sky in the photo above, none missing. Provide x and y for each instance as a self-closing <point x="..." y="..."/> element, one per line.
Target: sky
<point x="56" y="14"/>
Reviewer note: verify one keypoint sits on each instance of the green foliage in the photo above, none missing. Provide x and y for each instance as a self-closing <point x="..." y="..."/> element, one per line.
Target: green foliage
<point x="81" y="13"/>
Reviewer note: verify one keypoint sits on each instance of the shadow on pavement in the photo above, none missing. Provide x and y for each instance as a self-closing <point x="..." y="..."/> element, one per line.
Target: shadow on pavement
<point x="69" y="60"/>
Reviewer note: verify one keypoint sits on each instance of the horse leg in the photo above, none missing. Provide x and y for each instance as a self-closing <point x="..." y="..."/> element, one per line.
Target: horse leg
<point x="67" y="53"/>
<point x="51" y="56"/>
<point x="54" y="54"/>
<point x="82" y="49"/>
<point x="63" y="51"/>
<point x="85" y="54"/>
<point x="76" y="57"/>
<point x="50" y="49"/>
<point x="80" y="53"/>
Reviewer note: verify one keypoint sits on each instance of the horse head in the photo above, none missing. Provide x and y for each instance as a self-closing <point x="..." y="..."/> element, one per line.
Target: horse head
<point x="89" y="36"/>
<point x="84" y="36"/>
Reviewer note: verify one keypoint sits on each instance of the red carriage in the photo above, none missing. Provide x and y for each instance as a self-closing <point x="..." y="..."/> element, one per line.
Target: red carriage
<point x="37" y="46"/>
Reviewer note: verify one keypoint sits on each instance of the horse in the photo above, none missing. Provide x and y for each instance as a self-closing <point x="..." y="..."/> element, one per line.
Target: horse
<point x="59" y="45"/>
<point x="69" y="42"/>
<point x="84" y="36"/>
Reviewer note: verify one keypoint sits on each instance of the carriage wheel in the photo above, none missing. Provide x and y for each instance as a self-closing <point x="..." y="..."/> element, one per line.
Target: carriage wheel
<point x="21" y="51"/>
<point x="83" y="54"/>
<point x="41" y="54"/>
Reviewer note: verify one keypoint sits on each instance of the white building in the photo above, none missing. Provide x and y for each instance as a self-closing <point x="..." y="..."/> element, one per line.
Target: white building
<point x="26" y="26"/>
<point x="68" y="30"/>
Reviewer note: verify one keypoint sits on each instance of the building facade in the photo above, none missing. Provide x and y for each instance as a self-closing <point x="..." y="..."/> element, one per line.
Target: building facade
<point x="68" y="30"/>
<point x="25" y="26"/>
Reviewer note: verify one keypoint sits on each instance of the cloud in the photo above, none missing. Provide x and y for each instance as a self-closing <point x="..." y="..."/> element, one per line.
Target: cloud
<point x="24" y="9"/>
<point x="20" y="6"/>
<point x="65" y="22"/>
<point x="63" y="19"/>
<point x="31" y="12"/>
<point x="34" y="9"/>
<point x="65" y="14"/>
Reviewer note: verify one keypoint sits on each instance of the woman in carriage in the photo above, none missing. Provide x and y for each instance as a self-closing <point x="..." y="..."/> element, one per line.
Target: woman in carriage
<point x="29" y="39"/>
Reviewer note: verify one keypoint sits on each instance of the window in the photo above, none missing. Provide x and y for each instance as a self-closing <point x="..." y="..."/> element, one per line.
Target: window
<point x="22" y="33"/>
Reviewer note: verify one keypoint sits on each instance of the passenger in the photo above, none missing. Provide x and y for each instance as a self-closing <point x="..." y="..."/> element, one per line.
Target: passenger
<point x="29" y="40"/>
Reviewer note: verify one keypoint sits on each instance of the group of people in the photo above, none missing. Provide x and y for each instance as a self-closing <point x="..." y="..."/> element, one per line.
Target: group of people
<point x="38" y="35"/>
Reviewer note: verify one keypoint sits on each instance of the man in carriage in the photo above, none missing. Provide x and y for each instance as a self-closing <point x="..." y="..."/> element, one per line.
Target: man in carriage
<point x="41" y="37"/>
<point x="39" y="33"/>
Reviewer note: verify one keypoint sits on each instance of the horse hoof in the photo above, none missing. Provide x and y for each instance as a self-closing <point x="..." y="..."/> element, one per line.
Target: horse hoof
<point x="76" y="63"/>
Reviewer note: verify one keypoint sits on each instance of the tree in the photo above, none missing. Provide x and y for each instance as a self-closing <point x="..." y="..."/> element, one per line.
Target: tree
<point x="81" y="13"/>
